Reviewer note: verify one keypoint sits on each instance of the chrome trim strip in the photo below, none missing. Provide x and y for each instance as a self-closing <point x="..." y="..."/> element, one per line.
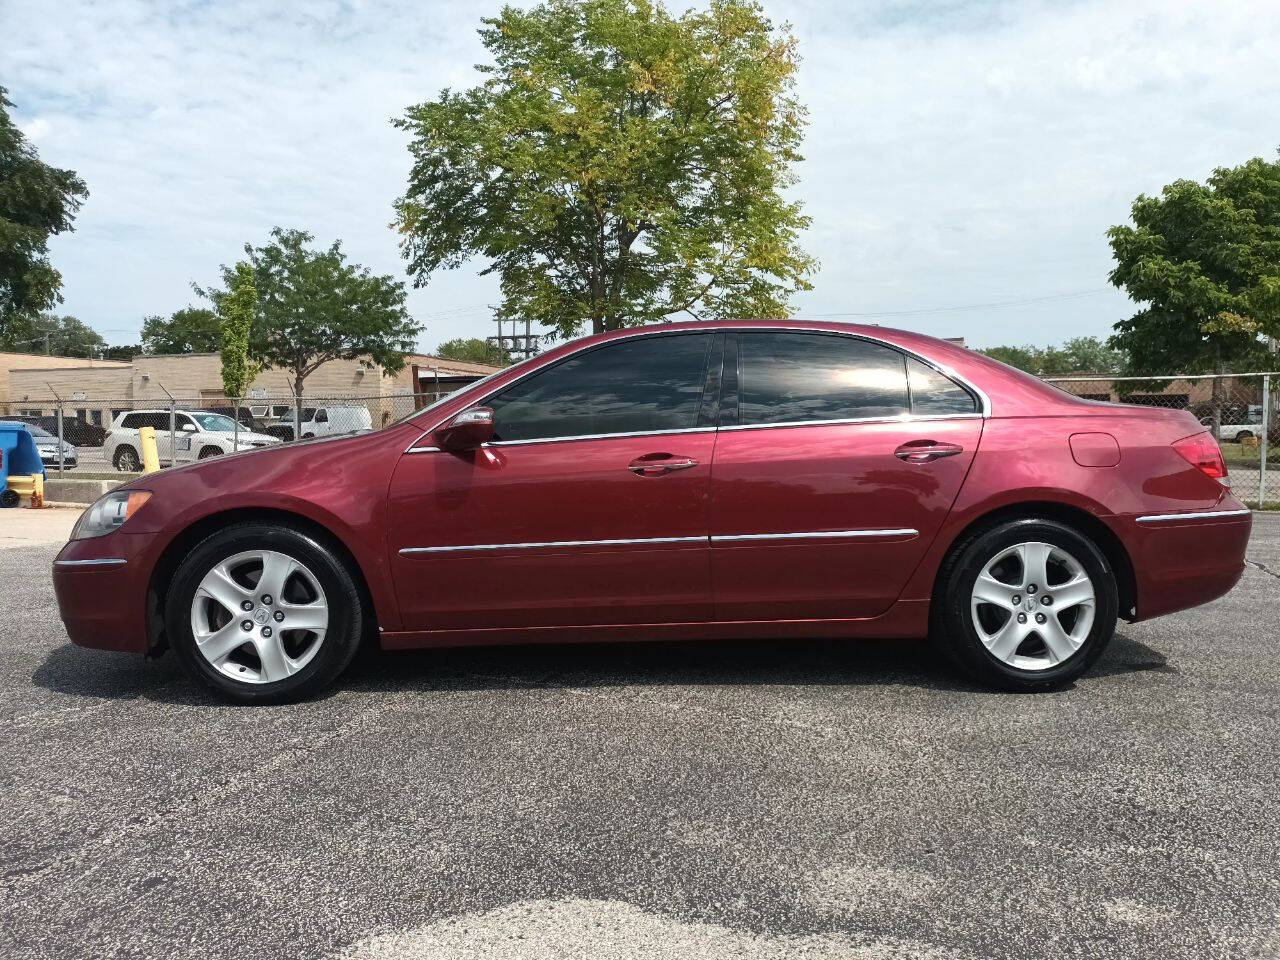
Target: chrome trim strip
<point x="818" y="535"/>
<point x="600" y="436"/>
<point x="423" y="450"/>
<point x="104" y="562"/>
<point x="902" y="418"/>
<point x="1199" y="515"/>
<point x="409" y="551"/>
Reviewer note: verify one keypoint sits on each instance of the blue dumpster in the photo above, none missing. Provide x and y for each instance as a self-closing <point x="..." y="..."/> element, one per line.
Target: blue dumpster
<point x="18" y="457"/>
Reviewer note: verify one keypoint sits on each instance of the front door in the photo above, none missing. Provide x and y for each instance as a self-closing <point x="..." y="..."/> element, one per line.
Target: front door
<point x="837" y="461"/>
<point x="590" y="506"/>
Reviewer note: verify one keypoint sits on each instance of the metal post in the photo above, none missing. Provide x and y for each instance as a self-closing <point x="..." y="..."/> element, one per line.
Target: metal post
<point x="61" y="461"/>
<point x="58" y="410"/>
<point x="1266" y="430"/>
<point x="235" y="417"/>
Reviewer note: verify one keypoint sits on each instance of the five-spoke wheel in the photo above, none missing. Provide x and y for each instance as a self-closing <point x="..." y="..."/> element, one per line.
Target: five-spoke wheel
<point x="1027" y="604"/>
<point x="264" y="613"/>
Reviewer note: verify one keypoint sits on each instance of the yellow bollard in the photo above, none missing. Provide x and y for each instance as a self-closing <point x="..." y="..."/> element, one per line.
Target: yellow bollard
<point x="37" y="494"/>
<point x="150" y="458"/>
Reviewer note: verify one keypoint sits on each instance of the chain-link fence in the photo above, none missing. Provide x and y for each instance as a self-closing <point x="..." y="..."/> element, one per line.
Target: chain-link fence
<point x="1244" y="406"/>
<point x="98" y="436"/>
<point x="90" y="436"/>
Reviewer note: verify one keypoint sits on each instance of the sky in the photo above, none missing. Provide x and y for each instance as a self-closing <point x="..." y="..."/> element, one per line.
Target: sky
<point x="963" y="160"/>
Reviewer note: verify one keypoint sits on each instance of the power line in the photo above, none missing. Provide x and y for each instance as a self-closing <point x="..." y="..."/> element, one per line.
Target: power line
<point x="926" y="311"/>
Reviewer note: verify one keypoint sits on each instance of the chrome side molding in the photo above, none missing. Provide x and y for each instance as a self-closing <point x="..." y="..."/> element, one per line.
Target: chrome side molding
<point x="645" y="541"/>
<point x="103" y="562"/>
<point x="817" y="535"/>
<point x="1198" y="515"/>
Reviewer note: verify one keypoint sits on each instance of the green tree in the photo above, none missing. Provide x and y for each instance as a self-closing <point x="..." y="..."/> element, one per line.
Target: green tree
<point x="64" y="337"/>
<point x="314" y="307"/>
<point x="1204" y="258"/>
<point x="236" y="313"/>
<point x="618" y="165"/>
<point x="189" y="330"/>
<point x="1077" y="355"/>
<point x="473" y="350"/>
<point x="37" y="201"/>
<point x="126" y="352"/>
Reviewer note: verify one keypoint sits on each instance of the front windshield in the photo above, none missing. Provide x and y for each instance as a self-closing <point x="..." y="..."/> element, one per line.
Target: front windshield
<point x="449" y="396"/>
<point x="214" y="422"/>
<point x="38" y="431"/>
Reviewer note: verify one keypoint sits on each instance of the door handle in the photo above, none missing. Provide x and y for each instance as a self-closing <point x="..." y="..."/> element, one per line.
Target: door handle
<point x="926" y="451"/>
<point x="659" y="464"/>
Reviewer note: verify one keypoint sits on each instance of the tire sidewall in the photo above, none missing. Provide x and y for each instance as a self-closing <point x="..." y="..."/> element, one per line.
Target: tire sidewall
<point x="958" y="591"/>
<point x="341" y="637"/>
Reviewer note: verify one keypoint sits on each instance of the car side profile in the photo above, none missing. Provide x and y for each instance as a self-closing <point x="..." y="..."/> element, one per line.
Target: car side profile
<point x="195" y="435"/>
<point x="716" y="480"/>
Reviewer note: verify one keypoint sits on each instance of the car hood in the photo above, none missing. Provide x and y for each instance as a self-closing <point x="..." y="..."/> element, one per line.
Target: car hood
<point x="249" y="436"/>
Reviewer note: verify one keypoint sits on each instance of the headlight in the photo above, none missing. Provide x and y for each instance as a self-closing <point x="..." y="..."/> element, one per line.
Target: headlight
<point x="109" y="513"/>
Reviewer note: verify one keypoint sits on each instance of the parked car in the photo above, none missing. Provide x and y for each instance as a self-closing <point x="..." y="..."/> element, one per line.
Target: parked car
<point x="695" y="480"/>
<point x="323" y="422"/>
<point x="1246" y="422"/>
<point x="77" y="432"/>
<point x="195" y="436"/>
<point x="245" y="417"/>
<point x="47" y="444"/>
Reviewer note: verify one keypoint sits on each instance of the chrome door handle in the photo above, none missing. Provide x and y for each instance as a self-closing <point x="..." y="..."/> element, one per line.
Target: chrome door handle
<point x="926" y="451"/>
<point x="658" y="464"/>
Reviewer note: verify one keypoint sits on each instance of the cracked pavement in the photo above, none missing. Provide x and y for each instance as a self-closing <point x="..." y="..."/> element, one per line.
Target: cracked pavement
<point x="777" y="799"/>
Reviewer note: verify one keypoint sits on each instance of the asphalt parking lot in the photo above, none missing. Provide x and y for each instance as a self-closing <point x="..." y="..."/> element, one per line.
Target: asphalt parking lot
<point x="777" y="799"/>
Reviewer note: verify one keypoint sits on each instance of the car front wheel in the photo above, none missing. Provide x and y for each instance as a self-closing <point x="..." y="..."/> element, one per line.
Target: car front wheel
<point x="263" y="613"/>
<point x="1027" y="605"/>
<point x="127" y="460"/>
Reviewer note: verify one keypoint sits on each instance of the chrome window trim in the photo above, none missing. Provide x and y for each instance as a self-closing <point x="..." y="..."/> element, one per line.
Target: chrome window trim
<point x="550" y="544"/>
<point x="1197" y="515"/>
<point x="817" y="535"/>
<point x="103" y="562"/>
<point x="946" y="371"/>
<point x="901" y="418"/>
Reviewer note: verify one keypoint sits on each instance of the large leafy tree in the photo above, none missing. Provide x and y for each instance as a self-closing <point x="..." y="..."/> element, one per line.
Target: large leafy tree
<point x="1077" y="355"/>
<point x="313" y="306"/>
<point x="64" y="337"/>
<point x="617" y="166"/>
<point x="37" y="201"/>
<point x="189" y="330"/>
<point x="473" y="350"/>
<point x="1204" y="258"/>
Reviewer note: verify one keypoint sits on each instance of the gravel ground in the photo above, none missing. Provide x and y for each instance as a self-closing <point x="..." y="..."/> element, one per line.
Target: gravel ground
<point x="671" y="801"/>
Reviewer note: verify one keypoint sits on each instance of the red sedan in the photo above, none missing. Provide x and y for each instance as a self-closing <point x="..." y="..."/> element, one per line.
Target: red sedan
<point x="699" y="480"/>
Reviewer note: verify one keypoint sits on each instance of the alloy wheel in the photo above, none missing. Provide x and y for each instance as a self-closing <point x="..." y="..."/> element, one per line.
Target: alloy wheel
<point x="259" y="616"/>
<point x="1033" y="605"/>
<point x="127" y="460"/>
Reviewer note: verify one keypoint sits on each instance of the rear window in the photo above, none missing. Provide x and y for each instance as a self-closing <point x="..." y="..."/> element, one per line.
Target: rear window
<point x="936" y="395"/>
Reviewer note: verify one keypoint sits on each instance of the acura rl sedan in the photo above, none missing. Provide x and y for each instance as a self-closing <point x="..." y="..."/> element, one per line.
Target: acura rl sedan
<point x="717" y="480"/>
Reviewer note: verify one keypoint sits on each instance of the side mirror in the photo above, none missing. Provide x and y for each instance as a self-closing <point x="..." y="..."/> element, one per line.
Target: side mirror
<point x="467" y="430"/>
<point x="188" y="428"/>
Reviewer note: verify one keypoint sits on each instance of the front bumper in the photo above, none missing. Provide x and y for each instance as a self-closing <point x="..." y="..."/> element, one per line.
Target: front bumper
<point x="101" y="587"/>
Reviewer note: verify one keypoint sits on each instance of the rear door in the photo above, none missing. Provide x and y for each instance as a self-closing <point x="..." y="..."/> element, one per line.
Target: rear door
<point x="837" y="460"/>
<point x="590" y="506"/>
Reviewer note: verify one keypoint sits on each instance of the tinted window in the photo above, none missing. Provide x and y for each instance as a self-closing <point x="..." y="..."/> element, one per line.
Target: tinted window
<point x="132" y="422"/>
<point x="789" y="377"/>
<point x="933" y="394"/>
<point x="635" y="386"/>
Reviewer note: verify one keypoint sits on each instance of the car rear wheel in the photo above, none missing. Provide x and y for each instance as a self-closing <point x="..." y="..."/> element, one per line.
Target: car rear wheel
<point x="263" y="613"/>
<point x="127" y="460"/>
<point x="1027" y="605"/>
<point x="208" y="452"/>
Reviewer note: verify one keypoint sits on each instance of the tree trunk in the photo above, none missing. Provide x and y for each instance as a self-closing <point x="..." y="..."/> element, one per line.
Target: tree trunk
<point x="298" y="377"/>
<point x="1216" y="400"/>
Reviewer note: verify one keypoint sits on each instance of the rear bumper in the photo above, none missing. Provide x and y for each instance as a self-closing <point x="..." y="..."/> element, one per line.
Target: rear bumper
<point x="1182" y="560"/>
<point x="101" y="587"/>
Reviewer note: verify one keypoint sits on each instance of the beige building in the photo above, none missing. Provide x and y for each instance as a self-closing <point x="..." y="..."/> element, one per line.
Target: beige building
<point x="44" y="362"/>
<point x="97" y="390"/>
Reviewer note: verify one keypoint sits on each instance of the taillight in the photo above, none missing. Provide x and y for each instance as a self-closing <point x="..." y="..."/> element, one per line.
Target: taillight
<point x="1203" y="453"/>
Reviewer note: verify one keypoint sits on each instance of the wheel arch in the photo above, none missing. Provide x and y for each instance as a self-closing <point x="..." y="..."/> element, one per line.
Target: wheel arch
<point x="1078" y="519"/>
<point x="177" y="549"/>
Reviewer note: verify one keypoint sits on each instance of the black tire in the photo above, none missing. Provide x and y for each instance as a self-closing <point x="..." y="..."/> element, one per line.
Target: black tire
<point x="118" y="461"/>
<point x="346" y="614"/>
<point x="953" y="629"/>
<point x="1242" y="435"/>
<point x="307" y="436"/>
<point x="208" y="452"/>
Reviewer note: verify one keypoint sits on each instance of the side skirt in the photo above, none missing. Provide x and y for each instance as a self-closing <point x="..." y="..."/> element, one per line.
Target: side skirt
<point x="906" y="619"/>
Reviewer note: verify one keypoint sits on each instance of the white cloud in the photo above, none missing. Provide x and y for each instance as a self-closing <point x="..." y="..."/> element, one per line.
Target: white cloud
<point x="959" y="153"/>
